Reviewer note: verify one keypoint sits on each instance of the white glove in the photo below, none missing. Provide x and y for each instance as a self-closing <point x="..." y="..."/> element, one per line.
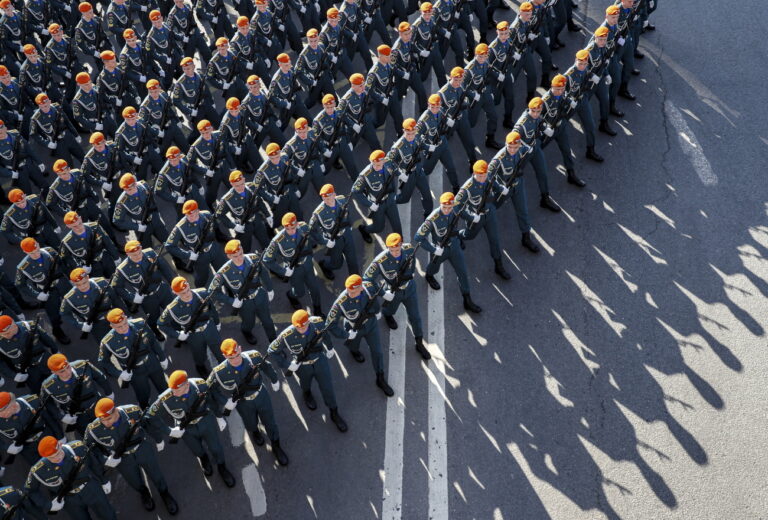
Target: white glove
<point x="168" y="60"/>
<point x="226" y="85"/>
<point x="96" y="54"/>
<point x="293" y="367"/>
<point x="143" y="78"/>
<point x="297" y="193"/>
<point x="500" y="76"/>
<point x="547" y="39"/>
<point x="21" y="315"/>
<point x="574" y="103"/>
<point x="354" y="37"/>
<point x="424" y="53"/>
<point x="356" y="128"/>
<point x="407" y="76"/>
<point x="142" y="228"/>
<point x="269" y="43"/>
<point x="69" y="419"/>
<point x="99" y="126"/>
<point x="68" y="75"/>
<point x="516" y="55"/>
<point x="86" y="327"/>
<point x="288" y="272"/>
<point x="249" y="65"/>
<point x="164" y="364"/>
<point x="14" y="174"/>
<point x="143" y="8"/>
<point x="389" y="295"/>
<point x="329" y="353"/>
<point x="504" y="191"/>
<point x="194" y="112"/>
<point x="403" y="177"/>
<point x="239" y="228"/>
<point x="237" y="303"/>
<point x="334" y="59"/>
<point x="230" y="404"/>
<point x="51" y="145"/>
<point x="125" y="376"/>
<point x="476" y="219"/>
<point x="281" y="27"/>
<point x="161" y="73"/>
<point x="276" y="386"/>
<point x="209" y="173"/>
<point x="270" y="295"/>
<point x="477" y="96"/>
<point x="112" y="462"/>
<point x="40" y="166"/>
<point x="448" y="33"/>
<point x="20" y="377"/>
<point x="548" y="131"/>
<point x="259" y="127"/>
<point x="58" y="503"/>
<point x="621" y="41"/>
<point x="238" y="150"/>
<point x="106" y="186"/>
<point x="107" y="488"/>
<point x="431" y="148"/>
<point x="330" y="244"/>
<point x="218" y="326"/>
<point x="287" y="106"/>
<point x="14" y="449"/>
<point x="368" y="19"/>
<point x="270" y="221"/>
<point x="160" y="446"/>
<point x="532" y="36"/>
<point x="608" y="80"/>
<point x="439" y="251"/>
<point x="301" y="172"/>
<point x="138" y="298"/>
<point x="137" y="160"/>
<point x="314" y="83"/>
<point x="327" y="154"/>
<point x="185" y="39"/>
<point x="215" y="19"/>
<point x="451" y="122"/>
<point x="87" y="269"/>
<point x="43" y="296"/>
<point x="176" y="432"/>
<point x="385" y="102"/>
<point x="352" y="334"/>
<point x="595" y="79"/>
<point x="193" y="256"/>
<point x="374" y="207"/>
<point x="180" y="200"/>
<point x="183" y="336"/>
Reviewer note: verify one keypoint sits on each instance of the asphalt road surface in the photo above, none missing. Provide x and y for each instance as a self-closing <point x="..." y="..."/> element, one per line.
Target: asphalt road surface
<point x="619" y="374"/>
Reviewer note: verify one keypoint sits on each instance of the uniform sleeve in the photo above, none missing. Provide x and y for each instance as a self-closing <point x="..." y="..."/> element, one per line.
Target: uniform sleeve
<point x="276" y="354"/>
<point x="100" y="379"/>
<point x="422" y="236"/>
<point x="335" y="322"/>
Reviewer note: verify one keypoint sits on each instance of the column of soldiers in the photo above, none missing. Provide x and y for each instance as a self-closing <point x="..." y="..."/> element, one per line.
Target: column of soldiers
<point x="141" y="107"/>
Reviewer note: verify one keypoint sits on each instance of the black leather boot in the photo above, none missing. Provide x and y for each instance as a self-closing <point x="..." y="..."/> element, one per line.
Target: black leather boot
<point x="606" y="128"/>
<point x="338" y="421"/>
<point x="170" y="503"/>
<point x="491" y="143"/>
<point x="616" y="112"/>
<point x="280" y="455"/>
<point x="295" y="303"/>
<point x="547" y="202"/>
<point x="366" y="236"/>
<point x="309" y="400"/>
<point x="205" y="463"/>
<point x="528" y="243"/>
<point x="470" y="305"/>
<point x="381" y="382"/>
<point x="573" y="179"/>
<point x="498" y="268"/>
<point x="226" y="476"/>
<point x="421" y="349"/>
<point x="391" y="322"/>
<point x="625" y="93"/>
<point x="432" y="282"/>
<point x="592" y="155"/>
<point x="146" y="499"/>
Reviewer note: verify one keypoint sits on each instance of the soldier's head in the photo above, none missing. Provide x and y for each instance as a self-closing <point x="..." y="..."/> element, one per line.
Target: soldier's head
<point x="313" y="38"/>
<point x="30" y="247"/>
<point x="205" y="128"/>
<point x="178" y="383"/>
<point x="328" y="194"/>
<point x="558" y="85"/>
<point x="290" y="223"/>
<point x="156" y="18"/>
<point x="5" y="75"/>
<point x="234" y="251"/>
<point x="526" y="11"/>
<point x="377" y="159"/>
<point x="55" y="31"/>
<point x="394" y="244"/>
<point x="233" y="106"/>
<point x="8" y="404"/>
<point x="329" y="103"/>
<point x="273" y="153"/>
<point x="237" y="180"/>
<point x="18" y="198"/>
<point x="481" y="53"/>
<point x="232" y="352"/>
<point x="3" y="130"/>
<point x="446" y="202"/>
<point x="133" y="250"/>
<point x="43" y="101"/>
<point x="130" y="116"/>
<point x="300" y="320"/>
<point x="130" y="37"/>
<point x="181" y="287"/>
<point x="153" y="88"/>
<point x="80" y="279"/>
<point x="222" y="45"/>
<point x="434" y="103"/>
<point x="457" y="76"/>
<point x="301" y="126"/>
<point x="405" y="31"/>
<point x="384" y="52"/>
<point x="84" y="82"/>
<point x="109" y="60"/>
<point x="106" y="411"/>
<point x="58" y="364"/>
<point x="173" y="154"/>
<point x="261" y="5"/>
<point x="8" y="328"/>
<point x="534" y="107"/>
<point x="601" y="36"/>
<point x="502" y="29"/>
<point x="284" y="62"/>
<point x="254" y="84"/>
<point x="61" y="169"/>
<point x="50" y="448"/>
<point x="243" y="23"/>
<point x="513" y="142"/>
<point x="409" y="129"/>
<point x="98" y="141"/>
<point x="190" y="210"/>
<point x="7" y="7"/>
<point x="627" y="4"/>
<point x="354" y="285"/>
<point x="332" y="15"/>
<point x="188" y="66"/>
<point x="86" y="11"/>
<point x="73" y="221"/>
<point x="118" y="321"/>
<point x="357" y="81"/>
<point x="612" y="15"/>
<point x="426" y="11"/>
<point x="128" y="183"/>
<point x="582" y="59"/>
<point x="480" y="171"/>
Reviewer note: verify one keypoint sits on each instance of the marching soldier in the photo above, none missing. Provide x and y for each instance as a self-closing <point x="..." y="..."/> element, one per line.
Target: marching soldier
<point x="88" y="108"/>
<point x="23" y="422"/>
<point x="283" y="93"/>
<point x="237" y="383"/>
<point x="507" y="167"/>
<point x="12" y="33"/>
<point x="355" y="106"/>
<point x="452" y="15"/>
<point x="538" y="35"/>
<point x="312" y="67"/>
<point x="60" y="53"/>
<point x="122" y="428"/>
<point x="88" y="246"/>
<point x="39" y="279"/>
<point x="259" y="118"/>
<point x="191" y="96"/>
<point x="28" y="217"/>
<point x="212" y="151"/>
<point x="577" y="81"/>
<point x="119" y="18"/>
<point x="598" y="70"/>
<point x="133" y="61"/>
<point x="35" y="76"/>
<point x="160" y="49"/>
<point x="474" y="202"/>
<point x="330" y="226"/>
<point x="476" y="76"/>
<point x="392" y="271"/>
<point x="86" y="305"/>
<point x="289" y="256"/>
<point x="13" y="111"/>
<point x="114" y="85"/>
<point x="439" y="235"/>
<point x="191" y="242"/>
<point x="428" y="127"/>
<point x="376" y="188"/>
<point x="136" y="210"/>
<point x="454" y="98"/>
<point x="89" y="34"/>
<point x="333" y="39"/>
<point x="303" y="152"/>
<point x="304" y="348"/>
<point x="143" y="279"/>
<point x="355" y="315"/>
<point x="158" y="112"/>
<point x="181" y="180"/>
<point x="354" y="32"/>
<point x="425" y="34"/>
<point x="51" y="128"/>
<point x="101" y="166"/>
<point x="245" y="285"/>
<point x="243" y="212"/>
<point x="24" y="345"/>
<point x="15" y="502"/>
<point x="73" y="390"/>
<point x="187" y="404"/>
<point x="89" y="488"/>
<point x="186" y="33"/>
<point x="405" y="61"/>
<point x="176" y="322"/>
<point x="131" y="353"/>
<point x="555" y="113"/>
<point x="223" y="71"/>
<point x="215" y="13"/>
<point x="381" y="83"/>
<point x="264" y="26"/>
<point x="235" y="133"/>
<point x="628" y="32"/>
<point x="136" y="142"/>
<point x="70" y="192"/>
<point x="329" y="126"/>
<point x="276" y="185"/>
<point x="406" y="156"/>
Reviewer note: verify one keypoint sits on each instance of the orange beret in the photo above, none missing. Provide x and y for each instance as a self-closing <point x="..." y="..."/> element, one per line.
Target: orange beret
<point x="376" y="155"/>
<point x="409" y="124"/>
<point x="434" y="99"/>
<point x="47" y="446"/>
<point x="242" y="21"/>
<point x="5" y="4"/>
<point x="228" y="347"/>
<point x="513" y="137"/>
<point x="41" y="98"/>
<point x="5" y="322"/>
<point x="283" y="58"/>
<point x="15" y="195"/>
<point x="559" y="81"/>
<point x="328" y="99"/>
<point x="480" y="167"/>
<point x="300" y="318"/>
<point x="57" y="362"/>
<point x="189" y="206"/>
<point x="602" y="31"/>
<point x="235" y="175"/>
<point x="535" y="102"/>
<point x="155" y="15"/>
<point x="132" y="246"/>
<point x="173" y="151"/>
<point x="177" y="378"/>
<point x="54" y="28"/>
<point x="356" y="78"/>
<point x="253" y="79"/>
<point x="353" y="281"/>
<point x="232" y="247"/>
<point x="327" y="189"/>
<point x="385" y="50"/>
<point x="203" y="124"/>
<point x="300" y="123"/>
<point x="583" y="54"/>
<point x="96" y="138"/>
<point x="446" y="198"/>
<point x="404" y="26"/>
<point x="502" y="25"/>
<point x="59" y="165"/>
<point x="3" y="70"/>
<point x="127" y="180"/>
<point x="128" y="112"/>
<point x="312" y="33"/>
<point x="288" y="218"/>
<point x="70" y="217"/>
<point x="394" y="240"/>
<point x="129" y="33"/>
<point x="273" y="149"/>
<point x="425" y="7"/>
<point x="526" y="6"/>
<point x="457" y="72"/>
<point x="5" y="399"/>
<point x="84" y="7"/>
<point x="233" y="103"/>
<point x="107" y="55"/>
<point x="260" y="2"/>
<point x="221" y="41"/>
<point x="332" y="13"/>
<point x="77" y="274"/>
<point x="115" y="315"/>
<point x="186" y="61"/>
<point x="29" y="48"/>
<point x="612" y="9"/>
<point x="179" y="284"/>
<point x="28" y="244"/>
<point x="153" y="84"/>
<point x="104" y="407"/>
<point x="481" y="49"/>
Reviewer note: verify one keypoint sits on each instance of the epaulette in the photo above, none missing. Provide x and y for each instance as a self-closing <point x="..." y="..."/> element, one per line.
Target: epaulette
<point x="79" y="363"/>
<point x="70" y="293"/>
<point x="23" y="264"/>
<point x="129" y="408"/>
<point x="39" y="464"/>
<point x="48" y="381"/>
<point x="286" y="333"/>
<point x="165" y="395"/>
<point x="220" y="366"/>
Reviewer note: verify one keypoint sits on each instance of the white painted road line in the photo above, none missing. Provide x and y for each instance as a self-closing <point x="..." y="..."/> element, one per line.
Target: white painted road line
<point x="690" y="145"/>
